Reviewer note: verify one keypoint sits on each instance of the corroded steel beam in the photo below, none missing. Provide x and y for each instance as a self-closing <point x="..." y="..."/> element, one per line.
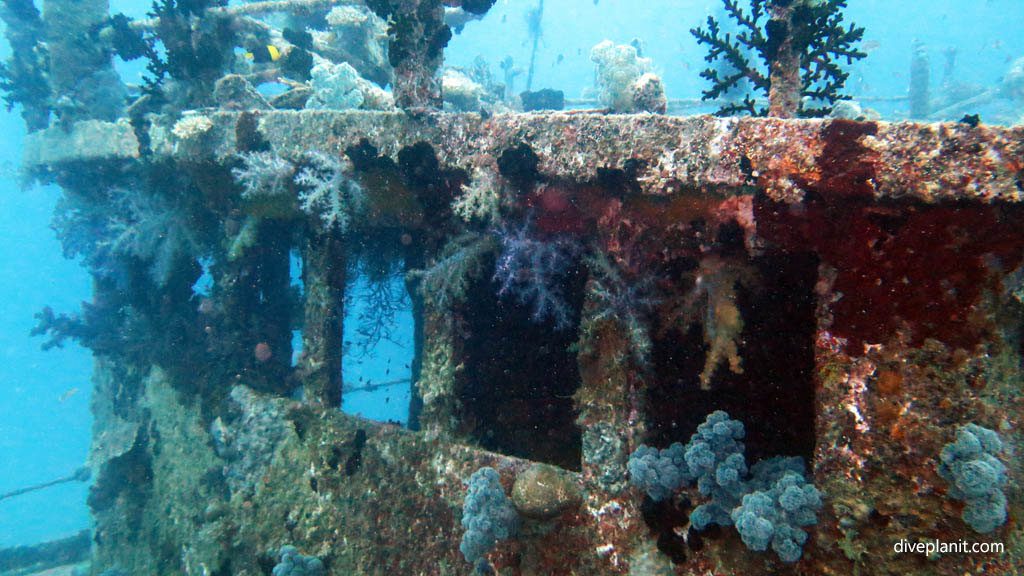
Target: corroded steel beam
<point x="926" y="162"/>
<point x="787" y="158"/>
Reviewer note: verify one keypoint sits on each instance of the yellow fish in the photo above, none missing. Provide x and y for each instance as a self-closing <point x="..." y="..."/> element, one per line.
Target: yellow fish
<point x="268" y="53"/>
<point x="65" y="396"/>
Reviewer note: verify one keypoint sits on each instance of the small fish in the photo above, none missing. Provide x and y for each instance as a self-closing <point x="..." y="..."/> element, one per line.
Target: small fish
<point x="300" y="38"/>
<point x="638" y="45"/>
<point x="67" y="395"/>
<point x="264" y="54"/>
<point x="971" y="120"/>
<point x="870" y="46"/>
<point x="559" y="59"/>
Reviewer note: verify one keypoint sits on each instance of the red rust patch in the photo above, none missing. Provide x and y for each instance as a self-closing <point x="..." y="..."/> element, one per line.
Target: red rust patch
<point x="847" y="166"/>
<point x="922" y="267"/>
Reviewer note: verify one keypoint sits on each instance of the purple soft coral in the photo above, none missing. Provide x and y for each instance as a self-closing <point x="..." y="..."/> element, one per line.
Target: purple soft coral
<point x="534" y="271"/>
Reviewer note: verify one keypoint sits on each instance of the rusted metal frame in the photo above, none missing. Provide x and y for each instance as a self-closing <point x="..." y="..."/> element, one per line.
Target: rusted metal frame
<point x="786" y="85"/>
<point x="439" y="367"/>
<point x="419" y="340"/>
<point x="609" y="399"/>
<point x="323" y="277"/>
<point x="418" y="38"/>
<point x="908" y="161"/>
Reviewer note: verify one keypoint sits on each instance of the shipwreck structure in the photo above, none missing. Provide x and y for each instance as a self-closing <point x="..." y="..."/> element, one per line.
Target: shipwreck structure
<point x="850" y="290"/>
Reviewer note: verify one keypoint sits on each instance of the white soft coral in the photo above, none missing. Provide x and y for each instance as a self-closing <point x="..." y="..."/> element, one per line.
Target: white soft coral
<point x="327" y="191"/>
<point x="263" y="174"/>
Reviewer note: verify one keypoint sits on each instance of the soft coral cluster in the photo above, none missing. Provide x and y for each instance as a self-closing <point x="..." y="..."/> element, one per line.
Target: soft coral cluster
<point x="120" y="224"/>
<point x="713" y="303"/>
<point x="327" y="191"/>
<point x="972" y="466"/>
<point x="769" y="504"/>
<point x="263" y="174"/>
<point x="534" y="271"/>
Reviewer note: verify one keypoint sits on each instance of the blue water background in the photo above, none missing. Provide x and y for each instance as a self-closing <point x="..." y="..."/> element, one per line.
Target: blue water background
<point x="43" y="437"/>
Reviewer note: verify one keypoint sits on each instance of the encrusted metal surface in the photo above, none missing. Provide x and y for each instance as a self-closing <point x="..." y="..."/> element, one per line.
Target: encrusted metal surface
<point x="901" y="236"/>
<point x="787" y="158"/>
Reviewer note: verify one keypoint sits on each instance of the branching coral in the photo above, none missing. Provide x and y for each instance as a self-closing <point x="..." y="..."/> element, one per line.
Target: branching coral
<point x="816" y="33"/>
<point x="195" y="55"/>
<point x="534" y="272"/>
<point x="480" y="199"/>
<point x="628" y="302"/>
<point x="374" y="279"/>
<point x="263" y="174"/>
<point x="125" y="224"/>
<point x="149" y="227"/>
<point x="23" y="78"/>
<point x="327" y="191"/>
<point x="60" y="327"/>
<point x="461" y="260"/>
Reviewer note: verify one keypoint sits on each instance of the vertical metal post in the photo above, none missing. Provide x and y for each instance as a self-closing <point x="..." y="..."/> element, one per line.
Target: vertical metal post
<point x="323" y="275"/>
<point x="82" y="77"/>
<point x="439" y="369"/>
<point x="609" y="400"/>
<point x="786" y="85"/>
<point x="920" y="73"/>
<point x="419" y="36"/>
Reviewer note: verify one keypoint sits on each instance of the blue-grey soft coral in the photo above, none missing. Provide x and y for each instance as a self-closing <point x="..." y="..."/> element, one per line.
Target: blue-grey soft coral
<point x="487" y="515"/>
<point x="776" y="516"/>
<point x="770" y="503"/>
<point x="659" y="473"/>
<point x="534" y="270"/>
<point x="629" y="302"/>
<point x="715" y="458"/>
<point x="291" y="563"/>
<point x="447" y="280"/>
<point x="976" y="475"/>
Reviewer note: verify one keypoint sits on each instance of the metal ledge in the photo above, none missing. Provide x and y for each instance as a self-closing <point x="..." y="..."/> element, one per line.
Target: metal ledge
<point x="925" y="162"/>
